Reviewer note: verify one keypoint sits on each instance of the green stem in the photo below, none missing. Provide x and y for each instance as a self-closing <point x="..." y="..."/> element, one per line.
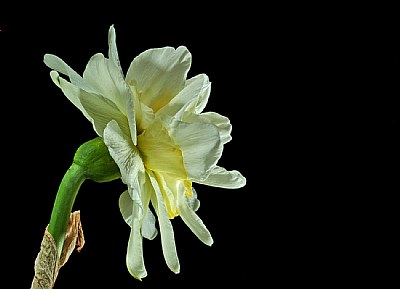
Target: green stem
<point x="68" y="189"/>
<point x="92" y="161"/>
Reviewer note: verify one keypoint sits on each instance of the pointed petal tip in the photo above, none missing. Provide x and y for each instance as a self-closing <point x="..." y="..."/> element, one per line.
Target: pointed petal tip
<point x="111" y="29"/>
<point x="55" y="77"/>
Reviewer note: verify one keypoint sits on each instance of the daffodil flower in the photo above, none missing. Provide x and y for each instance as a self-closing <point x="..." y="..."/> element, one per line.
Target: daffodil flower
<point x="154" y="127"/>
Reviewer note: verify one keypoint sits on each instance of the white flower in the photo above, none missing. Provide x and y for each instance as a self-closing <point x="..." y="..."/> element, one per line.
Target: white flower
<point x="153" y="124"/>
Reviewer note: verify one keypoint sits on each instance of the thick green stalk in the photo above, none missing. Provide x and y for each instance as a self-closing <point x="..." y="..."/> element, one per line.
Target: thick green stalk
<point x="67" y="191"/>
<point x="91" y="161"/>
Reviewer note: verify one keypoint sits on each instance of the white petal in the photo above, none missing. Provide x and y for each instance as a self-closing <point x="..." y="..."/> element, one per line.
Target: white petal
<point x="144" y="115"/>
<point x="70" y="91"/>
<point x="125" y="207"/>
<point x="193" y="202"/>
<point x="149" y="230"/>
<point x="59" y="65"/>
<point x="202" y="99"/>
<point x="102" y="74"/>
<point x="166" y="230"/>
<point x="102" y="111"/>
<point x="106" y="78"/>
<point x="127" y="157"/>
<point x="221" y="122"/>
<point x="193" y="221"/>
<point x="134" y="255"/>
<point x="195" y="91"/>
<point x="220" y="177"/>
<point x="56" y="63"/>
<point x="200" y="144"/>
<point x="129" y="98"/>
<point x="159" y="74"/>
<point x="112" y="48"/>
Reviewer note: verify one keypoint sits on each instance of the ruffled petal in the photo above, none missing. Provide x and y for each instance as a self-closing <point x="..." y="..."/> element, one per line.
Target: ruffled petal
<point x="106" y="78"/>
<point x="102" y="111"/>
<point x="201" y="146"/>
<point x="221" y="122"/>
<point x="102" y="74"/>
<point x="159" y="74"/>
<point x="222" y="178"/>
<point x="196" y="90"/>
<point x="127" y="157"/>
<point x="202" y="98"/>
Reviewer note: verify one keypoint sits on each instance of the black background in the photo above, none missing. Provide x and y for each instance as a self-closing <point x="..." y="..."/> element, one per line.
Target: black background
<point x="313" y="99"/>
<point x="44" y="130"/>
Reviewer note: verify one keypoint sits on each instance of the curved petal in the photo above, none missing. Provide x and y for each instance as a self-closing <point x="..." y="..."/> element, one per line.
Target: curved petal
<point x="144" y="115"/>
<point x="149" y="230"/>
<point x="196" y="90"/>
<point x="159" y="74"/>
<point x="112" y="48"/>
<point x="200" y="144"/>
<point x="159" y="151"/>
<point x="109" y="79"/>
<point x="106" y="78"/>
<point x="167" y="189"/>
<point x="193" y="202"/>
<point x="193" y="221"/>
<point x="57" y="64"/>
<point x="134" y="254"/>
<point x="71" y="92"/>
<point x="202" y="99"/>
<point x="102" y="111"/>
<point x="127" y="157"/>
<point x="221" y="122"/>
<point x="220" y="177"/>
<point x="125" y="207"/>
<point x="166" y="230"/>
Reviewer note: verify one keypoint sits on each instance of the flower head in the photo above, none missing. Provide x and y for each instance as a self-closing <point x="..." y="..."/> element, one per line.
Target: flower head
<point x="154" y="127"/>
